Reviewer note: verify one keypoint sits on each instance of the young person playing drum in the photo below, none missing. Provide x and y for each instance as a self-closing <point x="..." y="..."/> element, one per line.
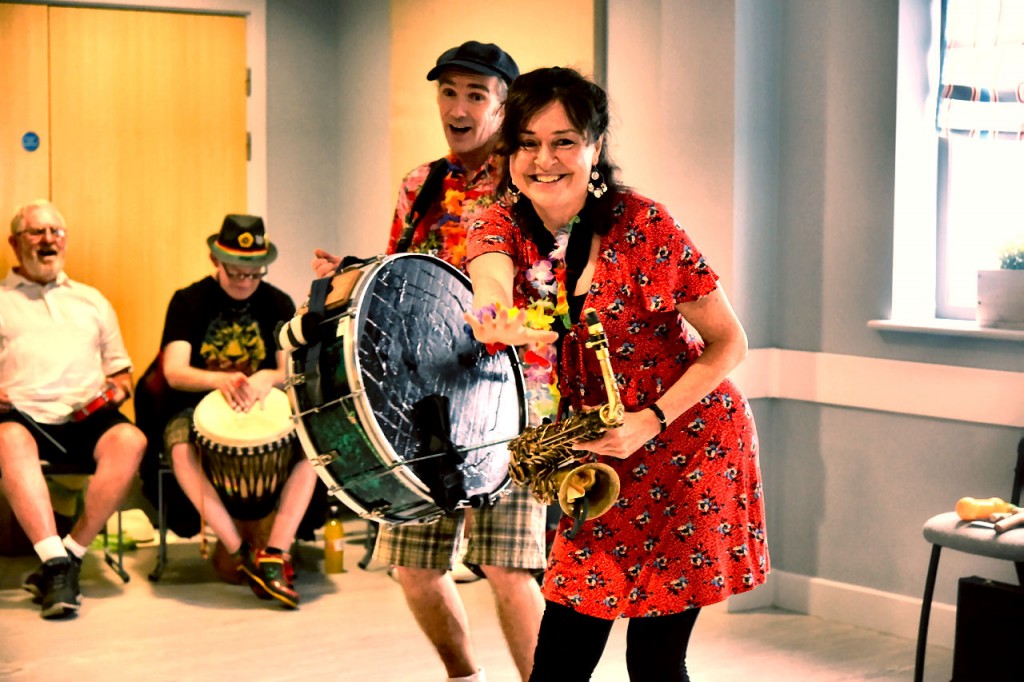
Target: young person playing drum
<point x="219" y="352"/>
<point x="436" y="203"/>
<point x="64" y="372"/>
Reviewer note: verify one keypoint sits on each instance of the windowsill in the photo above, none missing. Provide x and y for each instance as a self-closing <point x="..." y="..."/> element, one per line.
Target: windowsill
<point x="941" y="327"/>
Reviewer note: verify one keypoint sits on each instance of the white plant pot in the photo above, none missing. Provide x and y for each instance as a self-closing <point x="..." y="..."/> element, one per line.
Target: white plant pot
<point x="1001" y="299"/>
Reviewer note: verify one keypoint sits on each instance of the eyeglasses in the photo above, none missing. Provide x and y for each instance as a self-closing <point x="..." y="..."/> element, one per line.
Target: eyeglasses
<point x="242" y="276"/>
<point x="36" y="233"/>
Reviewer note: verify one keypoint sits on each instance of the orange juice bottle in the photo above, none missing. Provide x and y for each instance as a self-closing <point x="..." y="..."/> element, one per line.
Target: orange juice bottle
<point x="334" y="542"/>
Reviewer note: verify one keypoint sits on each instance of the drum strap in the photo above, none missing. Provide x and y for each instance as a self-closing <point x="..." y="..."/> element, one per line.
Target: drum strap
<point x="311" y="370"/>
<point x="429" y="193"/>
<point x="439" y="462"/>
<point x="316" y="311"/>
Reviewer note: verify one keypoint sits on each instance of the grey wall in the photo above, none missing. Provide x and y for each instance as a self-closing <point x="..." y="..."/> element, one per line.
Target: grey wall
<point x="849" y="489"/>
<point x="837" y="86"/>
<point x="756" y="188"/>
<point x="815" y="82"/>
<point x="328" y="136"/>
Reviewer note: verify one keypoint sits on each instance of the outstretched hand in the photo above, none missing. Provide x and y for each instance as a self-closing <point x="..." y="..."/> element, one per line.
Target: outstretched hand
<point x="498" y="324"/>
<point x="325" y="264"/>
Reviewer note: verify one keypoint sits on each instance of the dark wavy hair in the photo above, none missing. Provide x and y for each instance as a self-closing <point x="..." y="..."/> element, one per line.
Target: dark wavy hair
<point x="586" y="105"/>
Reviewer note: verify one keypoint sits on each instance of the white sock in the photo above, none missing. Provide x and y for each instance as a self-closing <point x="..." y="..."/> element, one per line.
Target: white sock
<point x="73" y="547"/>
<point x="478" y="676"/>
<point x="50" y="548"/>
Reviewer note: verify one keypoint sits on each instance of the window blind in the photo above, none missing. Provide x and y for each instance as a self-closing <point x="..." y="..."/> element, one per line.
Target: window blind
<point x="981" y="92"/>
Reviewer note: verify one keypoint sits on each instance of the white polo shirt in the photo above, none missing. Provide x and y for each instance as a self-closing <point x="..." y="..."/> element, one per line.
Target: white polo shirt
<point x="58" y="344"/>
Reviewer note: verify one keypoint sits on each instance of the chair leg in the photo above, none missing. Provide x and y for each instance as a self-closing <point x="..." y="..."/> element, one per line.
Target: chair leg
<point x="118" y="565"/>
<point x="161" y="514"/>
<point x="926" y="611"/>
<point x="371" y="541"/>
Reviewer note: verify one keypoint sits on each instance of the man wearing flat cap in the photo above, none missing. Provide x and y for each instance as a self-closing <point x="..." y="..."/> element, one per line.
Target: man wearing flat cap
<point x="436" y="204"/>
<point x="219" y="335"/>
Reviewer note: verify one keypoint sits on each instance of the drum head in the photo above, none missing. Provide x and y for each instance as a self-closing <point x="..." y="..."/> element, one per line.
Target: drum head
<point x="218" y="423"/>
<point x="418" y="363"/>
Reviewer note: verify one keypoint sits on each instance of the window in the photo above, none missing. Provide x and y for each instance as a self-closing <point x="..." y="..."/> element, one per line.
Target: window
<point x="959" y="187"/>
<point x="981" y="210"/>
<point x="980" y="117"/>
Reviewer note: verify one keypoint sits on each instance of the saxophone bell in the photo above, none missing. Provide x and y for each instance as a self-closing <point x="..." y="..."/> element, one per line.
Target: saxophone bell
<point x="586" y="492"/>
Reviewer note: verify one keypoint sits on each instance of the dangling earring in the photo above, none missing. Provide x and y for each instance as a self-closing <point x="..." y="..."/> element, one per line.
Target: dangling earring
<point x="593" y="187"/>
<point x="513" y="193"/>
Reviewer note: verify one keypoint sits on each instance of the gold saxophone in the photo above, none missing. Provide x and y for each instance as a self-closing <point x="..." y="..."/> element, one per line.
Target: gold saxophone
<point x="542" y="457"/>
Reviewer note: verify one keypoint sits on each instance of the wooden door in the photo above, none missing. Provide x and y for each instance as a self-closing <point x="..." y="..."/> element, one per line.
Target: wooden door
<point x="24" y="171"/>
<point x="147" y="113"/>
<point x="142" y="144"/>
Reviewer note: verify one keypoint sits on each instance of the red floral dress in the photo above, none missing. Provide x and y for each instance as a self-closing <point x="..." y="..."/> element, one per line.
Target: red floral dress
<point x="688" y="529"/>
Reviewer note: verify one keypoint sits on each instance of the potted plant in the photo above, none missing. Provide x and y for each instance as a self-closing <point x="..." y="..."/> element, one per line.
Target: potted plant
<point x="1001" y="292"/>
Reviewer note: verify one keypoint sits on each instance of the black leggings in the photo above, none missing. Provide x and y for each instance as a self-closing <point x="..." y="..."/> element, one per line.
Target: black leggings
<point x="571" y="644"/>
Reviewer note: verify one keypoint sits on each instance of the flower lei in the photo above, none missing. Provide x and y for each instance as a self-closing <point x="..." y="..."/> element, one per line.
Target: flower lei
<point x="549" y="302"/>
<point x="448" y="239"/>
<point x="547" y="278"/>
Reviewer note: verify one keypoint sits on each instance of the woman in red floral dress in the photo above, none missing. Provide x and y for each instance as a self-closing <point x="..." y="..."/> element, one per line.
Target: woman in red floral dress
<point x="688" y="528"/>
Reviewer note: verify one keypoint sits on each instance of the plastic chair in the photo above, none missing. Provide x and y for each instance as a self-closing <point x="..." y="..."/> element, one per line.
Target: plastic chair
<point x="948" y="530"/>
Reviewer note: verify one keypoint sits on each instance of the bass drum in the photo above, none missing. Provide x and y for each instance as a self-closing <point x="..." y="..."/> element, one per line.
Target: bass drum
<point x="404" y="415"/>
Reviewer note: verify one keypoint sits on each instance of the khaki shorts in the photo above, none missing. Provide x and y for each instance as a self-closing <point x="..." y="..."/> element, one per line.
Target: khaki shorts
<point x="178" y="431"/>
<point x="509" y="534"/>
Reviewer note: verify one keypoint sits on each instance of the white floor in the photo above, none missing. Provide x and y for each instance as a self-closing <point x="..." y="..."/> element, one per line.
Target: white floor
<point x="355" y="626"/>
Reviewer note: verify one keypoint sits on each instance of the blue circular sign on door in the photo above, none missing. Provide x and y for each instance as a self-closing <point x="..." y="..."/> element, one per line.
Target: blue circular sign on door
<point x="30" y="141"/>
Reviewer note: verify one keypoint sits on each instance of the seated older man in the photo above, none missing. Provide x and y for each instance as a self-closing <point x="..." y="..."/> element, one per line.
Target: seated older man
<point x="64" y="372"/>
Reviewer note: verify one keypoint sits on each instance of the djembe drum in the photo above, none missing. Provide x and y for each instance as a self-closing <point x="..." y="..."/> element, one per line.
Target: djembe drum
<point x="247" y="457"/>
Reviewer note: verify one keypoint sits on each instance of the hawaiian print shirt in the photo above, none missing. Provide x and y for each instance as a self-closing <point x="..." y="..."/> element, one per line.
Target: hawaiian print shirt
<point x="442" y="232"/>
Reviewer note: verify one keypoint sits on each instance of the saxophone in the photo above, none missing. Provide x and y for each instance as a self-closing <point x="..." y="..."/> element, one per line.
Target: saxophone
<point x="542" y="457"/>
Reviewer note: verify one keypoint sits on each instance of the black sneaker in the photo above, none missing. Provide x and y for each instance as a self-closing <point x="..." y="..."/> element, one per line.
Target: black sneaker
<point x="35" y="584"/>
<point x="61" y="595"/>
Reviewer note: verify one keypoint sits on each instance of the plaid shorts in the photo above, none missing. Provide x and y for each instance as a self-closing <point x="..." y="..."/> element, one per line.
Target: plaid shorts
<point x="509" y="534"/>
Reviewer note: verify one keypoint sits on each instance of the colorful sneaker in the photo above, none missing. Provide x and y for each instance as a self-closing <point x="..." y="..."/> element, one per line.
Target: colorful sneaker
<point x="271" y="576"/>
<point x="289" y="570"/>
<point x="247" y="566"/>
<point x="61" y="594"/>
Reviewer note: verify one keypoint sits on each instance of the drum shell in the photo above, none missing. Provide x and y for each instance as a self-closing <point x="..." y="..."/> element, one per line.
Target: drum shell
<point x="348" y="461"/>
<point x="247" y="479"/>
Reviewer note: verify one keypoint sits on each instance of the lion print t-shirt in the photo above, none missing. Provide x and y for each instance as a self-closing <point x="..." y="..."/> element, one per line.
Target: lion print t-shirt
<point x="226" y="335"/>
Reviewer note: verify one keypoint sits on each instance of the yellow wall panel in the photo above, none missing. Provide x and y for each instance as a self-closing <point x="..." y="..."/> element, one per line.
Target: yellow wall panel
<point x="535" y="32"/>
<point x="24" y="175"/>
<point x="148" y="120"/>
